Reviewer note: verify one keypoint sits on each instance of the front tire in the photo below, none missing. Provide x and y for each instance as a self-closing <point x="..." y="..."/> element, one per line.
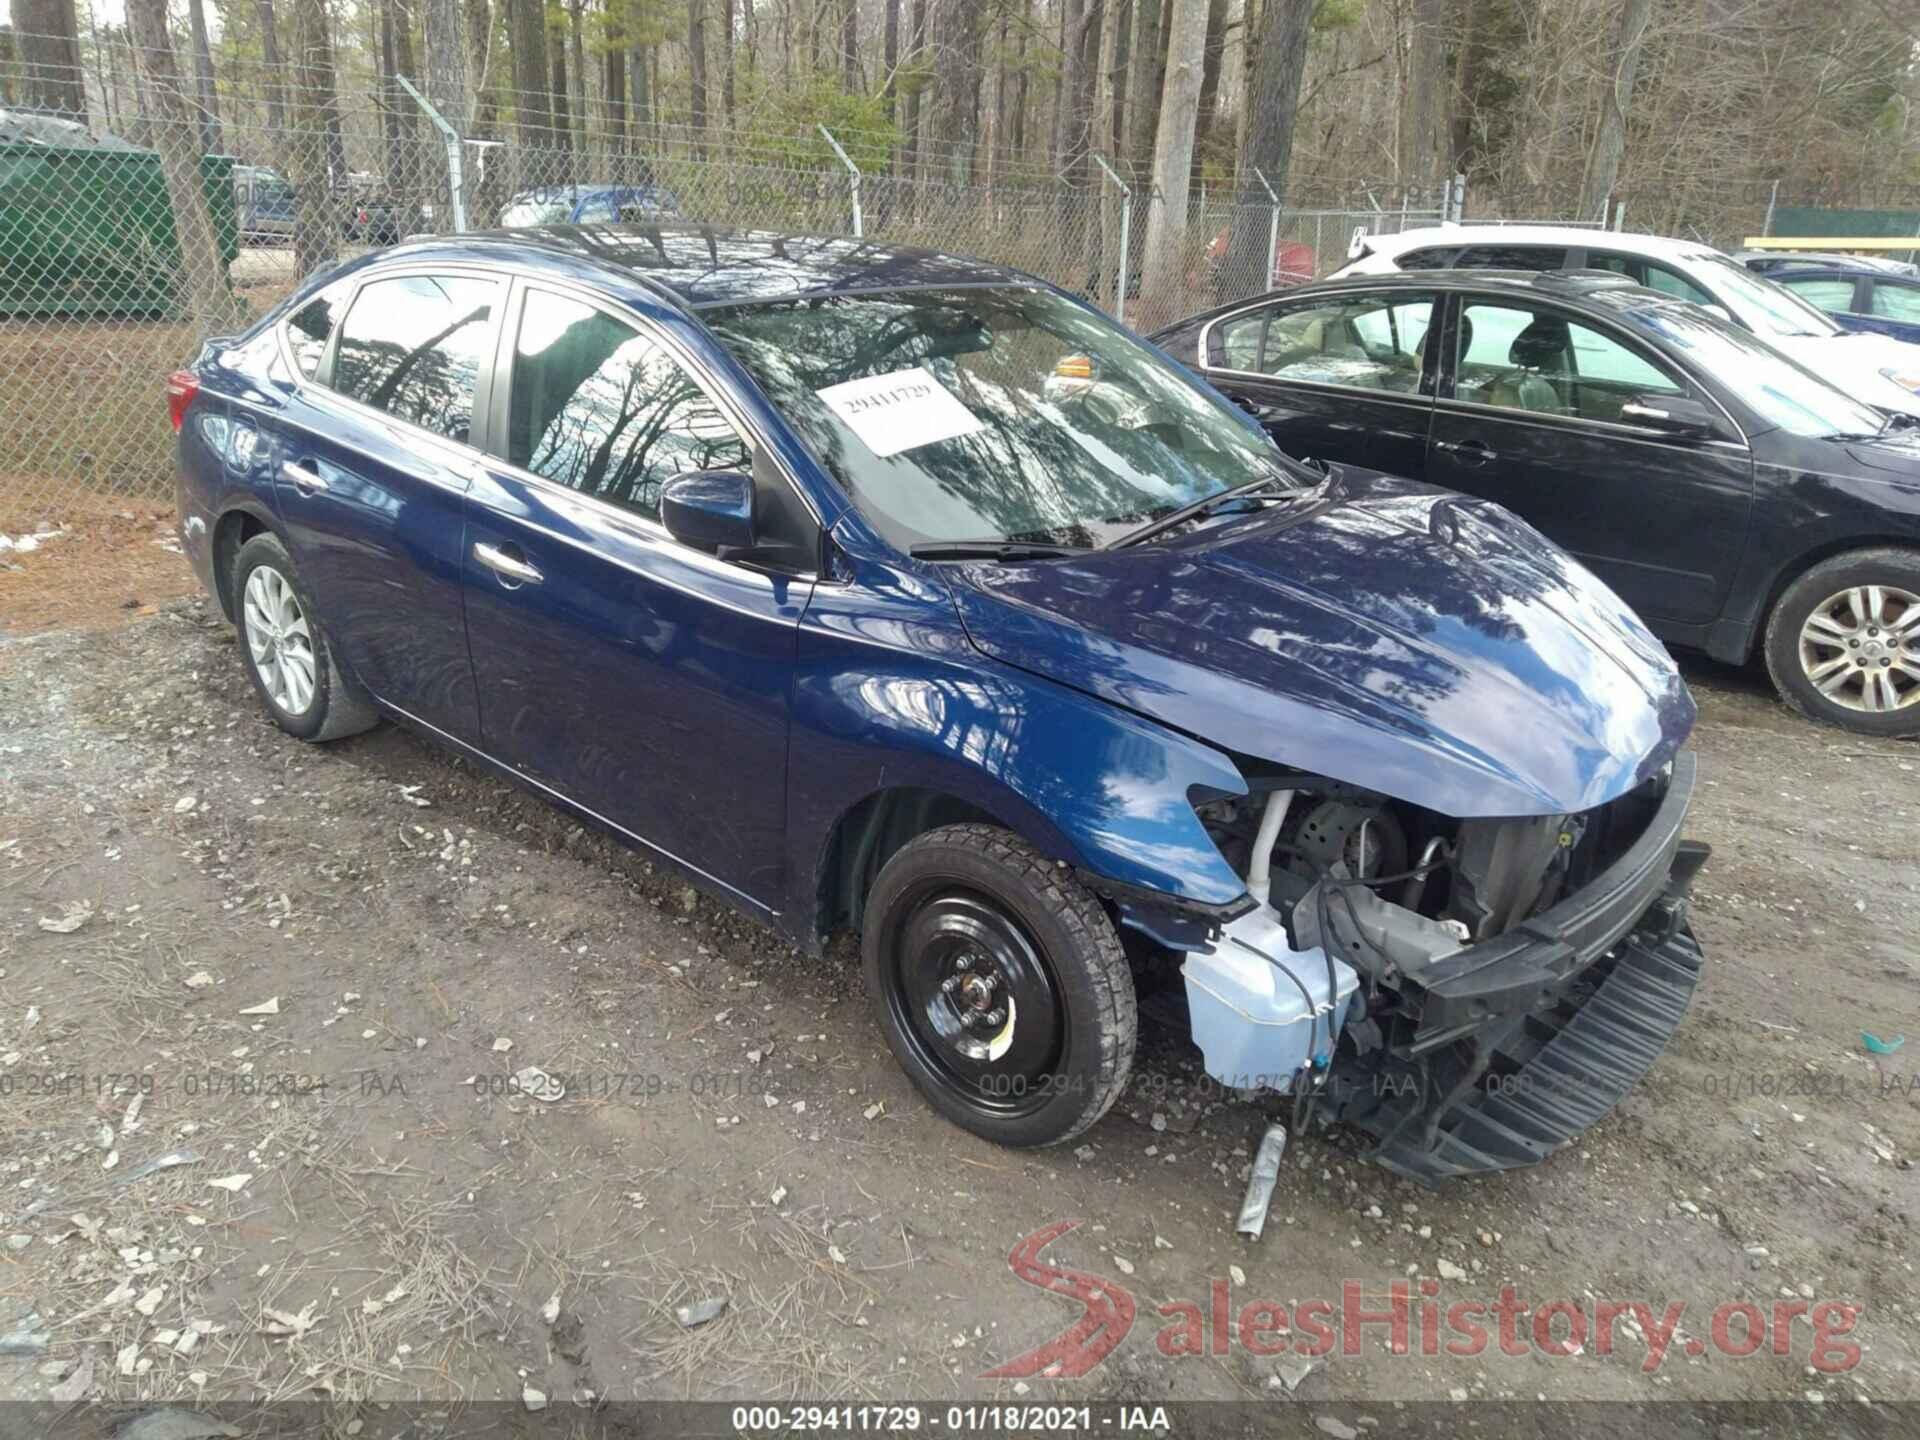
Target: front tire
<point x="285" y="649"/>
<point x="1000" y="985"/>
<point x="1843" y="642"/>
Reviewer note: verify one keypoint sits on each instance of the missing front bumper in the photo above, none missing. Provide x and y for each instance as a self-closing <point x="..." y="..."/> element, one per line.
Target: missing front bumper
<point x="1502" y="1054"/>
<point x="1534" y="1094"/>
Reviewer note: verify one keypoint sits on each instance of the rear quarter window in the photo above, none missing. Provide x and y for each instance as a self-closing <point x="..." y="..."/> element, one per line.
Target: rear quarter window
<point x="1512" y="257"/>
<point x="311" y="326"/>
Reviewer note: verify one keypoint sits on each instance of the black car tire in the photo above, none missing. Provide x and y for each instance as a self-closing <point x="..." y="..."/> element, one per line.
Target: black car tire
<point x="335" y="706"/>
<point x="1888" y="567"/>
<point x="1046" y="938"/>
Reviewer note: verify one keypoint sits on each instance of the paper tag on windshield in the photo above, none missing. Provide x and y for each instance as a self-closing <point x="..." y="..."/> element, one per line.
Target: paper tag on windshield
<point x="896" y="412"/>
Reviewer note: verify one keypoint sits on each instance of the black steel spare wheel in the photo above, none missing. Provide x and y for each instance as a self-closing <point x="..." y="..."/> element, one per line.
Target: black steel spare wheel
<point x="1000" y="985"/>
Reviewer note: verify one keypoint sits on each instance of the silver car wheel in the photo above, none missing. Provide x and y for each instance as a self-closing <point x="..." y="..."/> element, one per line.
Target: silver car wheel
<point x="279" y="640"/>
<point x="1861" y="648"/>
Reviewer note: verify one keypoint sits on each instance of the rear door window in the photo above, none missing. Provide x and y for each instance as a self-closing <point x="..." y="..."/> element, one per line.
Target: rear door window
<point x="1830" y="293"/>
<point x="413" y="347"/>
<point x="1512" y="257"/>
<point x="1369" y="342"/>
<point x="1895" y="300"/>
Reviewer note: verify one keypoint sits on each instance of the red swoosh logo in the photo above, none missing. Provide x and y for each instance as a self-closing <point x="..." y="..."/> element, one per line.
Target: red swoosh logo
<point x="1091" y="1338"/>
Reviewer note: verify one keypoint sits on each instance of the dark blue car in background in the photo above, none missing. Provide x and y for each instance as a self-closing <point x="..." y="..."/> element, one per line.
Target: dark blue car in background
<point x="878" y="589"/>
<point x="599" y="204"/>
<point x="1861" y="292"/>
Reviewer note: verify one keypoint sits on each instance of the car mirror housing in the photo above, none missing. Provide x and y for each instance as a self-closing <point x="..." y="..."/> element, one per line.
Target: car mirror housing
<point x="709" y="510"/>
<point x="1673" y="414"/>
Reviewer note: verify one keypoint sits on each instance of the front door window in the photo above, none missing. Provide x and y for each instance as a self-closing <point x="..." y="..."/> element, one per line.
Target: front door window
<point x="1521" y="357"/>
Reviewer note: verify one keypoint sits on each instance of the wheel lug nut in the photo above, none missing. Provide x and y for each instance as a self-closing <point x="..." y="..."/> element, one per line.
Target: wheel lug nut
<point x="949" y="985"/>
<point x="965" y="962"/>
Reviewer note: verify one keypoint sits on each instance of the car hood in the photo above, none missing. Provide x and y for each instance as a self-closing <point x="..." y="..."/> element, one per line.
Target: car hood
<point x="1855" y="361"/>
<point x="1419" y="643"/>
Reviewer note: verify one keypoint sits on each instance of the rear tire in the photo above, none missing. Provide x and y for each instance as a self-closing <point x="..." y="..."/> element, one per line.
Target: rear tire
<point x="1843" y="642"/>
<point x="1000" y="985"/>
<point x="285" y="649"/>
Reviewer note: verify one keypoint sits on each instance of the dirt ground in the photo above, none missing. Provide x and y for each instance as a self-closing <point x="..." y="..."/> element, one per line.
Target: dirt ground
<point x="307" y="973"/>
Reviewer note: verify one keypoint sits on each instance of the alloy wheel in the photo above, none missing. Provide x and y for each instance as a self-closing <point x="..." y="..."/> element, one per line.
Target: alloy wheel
<point x="1861" y="648"/>
<point x="279" y="639"/>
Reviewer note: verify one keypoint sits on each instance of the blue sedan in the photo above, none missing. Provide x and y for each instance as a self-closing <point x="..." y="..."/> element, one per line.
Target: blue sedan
<point x="1860" y="293"/>
<point x="878" y="589"/>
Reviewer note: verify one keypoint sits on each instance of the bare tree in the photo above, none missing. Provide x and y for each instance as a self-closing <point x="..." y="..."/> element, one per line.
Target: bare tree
<point x="1149" y="65"/>
<point x="202" y="264"/>
<point x="1173" y="162"/>
<point x="907" y="161"/>
<point x="46" y="39"/>
<point x="954" y="115"/>
<point x="850" y="47"/>
<point x="890" y="54"/>
<point x="1423" y="127"/>
<point x="1610" y="139"/>
<point x="1276" y="64"/>
<point x="309" y="149"/>
<point x="203" y="82"/>
<point x="726" y="58"/>
<point x="697" y="70"/>
<point x="532" y="115"/>
<point x="273" y="80"/>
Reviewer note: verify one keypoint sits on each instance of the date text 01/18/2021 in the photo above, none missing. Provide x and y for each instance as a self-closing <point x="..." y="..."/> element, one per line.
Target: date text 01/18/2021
<point x="975" y="1419"/>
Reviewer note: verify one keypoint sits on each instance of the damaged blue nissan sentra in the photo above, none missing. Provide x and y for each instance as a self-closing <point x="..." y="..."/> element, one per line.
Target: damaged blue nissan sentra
<point x="879" y="589"/>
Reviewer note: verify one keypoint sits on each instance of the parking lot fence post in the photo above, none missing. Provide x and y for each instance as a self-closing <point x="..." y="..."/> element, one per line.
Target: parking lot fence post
<point x="1126" y="223"/>
<point x="853" y="173"/>
<point x="1773" y="200"/>
<point x="1273" y="226"/>
<point x="456" y="185"/>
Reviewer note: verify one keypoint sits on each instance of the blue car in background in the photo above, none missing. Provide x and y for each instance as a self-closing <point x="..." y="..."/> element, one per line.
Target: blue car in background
<point x="881" y="590"/>
<point x="589" y="205"/>
<point x="1860" y="292"/>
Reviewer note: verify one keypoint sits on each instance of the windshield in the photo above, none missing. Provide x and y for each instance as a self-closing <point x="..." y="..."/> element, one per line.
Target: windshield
<point x="533" y="210"/>
<point x="1762" y="306"/>
<point x="1769" y="384"/>
<point x="1003" y="413"/>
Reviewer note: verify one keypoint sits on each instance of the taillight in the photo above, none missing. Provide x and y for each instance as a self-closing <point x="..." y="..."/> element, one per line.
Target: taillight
<point x="182" y="386"/>
<point x="364" y="217"/>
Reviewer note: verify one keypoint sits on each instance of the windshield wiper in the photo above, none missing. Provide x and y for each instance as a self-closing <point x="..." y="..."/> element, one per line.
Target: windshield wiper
<point x="1194" y="511"/>
<point x="990" y="549"/>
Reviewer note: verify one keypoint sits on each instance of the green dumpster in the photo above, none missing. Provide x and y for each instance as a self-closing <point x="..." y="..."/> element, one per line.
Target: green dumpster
<point x="86" y="227"/>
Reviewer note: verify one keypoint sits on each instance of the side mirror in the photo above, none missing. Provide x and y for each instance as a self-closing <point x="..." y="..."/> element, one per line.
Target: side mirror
<point x="1671" y="414"/>
<point x="709" y="510"/>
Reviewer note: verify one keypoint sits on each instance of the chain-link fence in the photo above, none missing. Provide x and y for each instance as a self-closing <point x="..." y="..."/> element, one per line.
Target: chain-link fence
<point x="139" y="224"/>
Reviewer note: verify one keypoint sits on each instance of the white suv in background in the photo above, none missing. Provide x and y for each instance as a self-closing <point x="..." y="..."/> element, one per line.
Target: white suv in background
<point x="1875" y="368"/>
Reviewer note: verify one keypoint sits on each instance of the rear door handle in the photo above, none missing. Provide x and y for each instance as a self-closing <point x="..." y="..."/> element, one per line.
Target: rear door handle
<point x="506" y="563"/>
<point x="1467" y="452"/>
<point x="307" y="482"/>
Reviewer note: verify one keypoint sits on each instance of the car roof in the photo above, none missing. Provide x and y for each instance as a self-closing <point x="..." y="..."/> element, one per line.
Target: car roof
<point x="1569" y="236"/>
<point x="701" y="266"/>
<point x="585" y="187"/>
<point x="1811" y="260"/>
<point x="1583" y="289"/>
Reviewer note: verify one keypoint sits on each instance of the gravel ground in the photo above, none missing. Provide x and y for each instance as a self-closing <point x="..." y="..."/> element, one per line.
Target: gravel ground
<point x="307" y="972"/>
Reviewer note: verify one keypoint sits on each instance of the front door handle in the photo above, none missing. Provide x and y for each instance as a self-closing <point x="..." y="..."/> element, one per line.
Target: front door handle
<point x="307" y="482"/>
<point x="1467" y="452"/>
<point x="507" y="563"/>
